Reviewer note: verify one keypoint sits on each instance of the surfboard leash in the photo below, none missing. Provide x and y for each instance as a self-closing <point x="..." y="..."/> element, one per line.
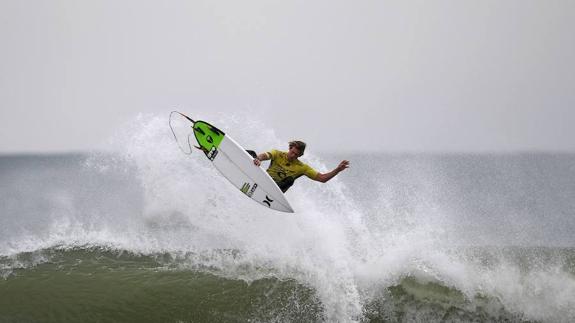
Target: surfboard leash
<point x="174" y="133"/>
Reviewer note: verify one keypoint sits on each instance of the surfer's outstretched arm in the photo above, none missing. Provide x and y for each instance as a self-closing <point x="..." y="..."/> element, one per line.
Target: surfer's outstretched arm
<point x="327" y="176"/>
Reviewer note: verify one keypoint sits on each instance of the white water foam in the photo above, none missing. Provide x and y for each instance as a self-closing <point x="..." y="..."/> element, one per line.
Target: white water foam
<point x="344" y="244"/>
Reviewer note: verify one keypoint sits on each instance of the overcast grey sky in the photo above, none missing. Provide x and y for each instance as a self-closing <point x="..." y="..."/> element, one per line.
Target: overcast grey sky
<point x="364" y="75"/>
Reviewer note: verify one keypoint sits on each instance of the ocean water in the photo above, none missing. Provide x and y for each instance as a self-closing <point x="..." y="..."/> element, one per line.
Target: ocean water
<point x="148" y="234"/>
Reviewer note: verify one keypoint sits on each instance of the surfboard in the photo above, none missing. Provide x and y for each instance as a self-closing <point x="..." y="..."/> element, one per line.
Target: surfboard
<point x="237" y="166"/>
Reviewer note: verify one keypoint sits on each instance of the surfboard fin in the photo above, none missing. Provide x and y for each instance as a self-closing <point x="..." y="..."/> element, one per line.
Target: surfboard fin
<point x="200" y="131"/>
<point x="202" y="149"/>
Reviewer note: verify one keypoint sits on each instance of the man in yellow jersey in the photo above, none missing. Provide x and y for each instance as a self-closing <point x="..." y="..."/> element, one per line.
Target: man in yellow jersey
<point x="285" y="167"/>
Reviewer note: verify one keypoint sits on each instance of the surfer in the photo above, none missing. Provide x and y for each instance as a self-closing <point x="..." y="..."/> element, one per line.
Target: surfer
<point x="285" y="167"/>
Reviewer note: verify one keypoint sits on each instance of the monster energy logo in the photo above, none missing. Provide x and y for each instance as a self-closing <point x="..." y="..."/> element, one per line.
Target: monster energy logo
<point x="246" y="189"/>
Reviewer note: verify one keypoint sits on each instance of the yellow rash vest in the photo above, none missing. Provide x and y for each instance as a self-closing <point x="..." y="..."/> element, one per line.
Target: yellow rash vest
<point x="285" y="172"/>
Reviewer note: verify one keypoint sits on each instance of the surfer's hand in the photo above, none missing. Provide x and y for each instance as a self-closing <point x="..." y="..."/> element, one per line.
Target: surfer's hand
<point x="257" y="162"/>
<point x="343" y="165"/>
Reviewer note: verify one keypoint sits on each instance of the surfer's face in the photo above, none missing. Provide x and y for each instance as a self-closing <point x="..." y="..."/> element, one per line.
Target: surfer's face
<point x="293" y="153"/>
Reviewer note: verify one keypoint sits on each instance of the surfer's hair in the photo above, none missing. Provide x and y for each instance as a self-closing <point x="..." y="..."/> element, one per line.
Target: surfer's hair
<point x="300" y="145"/>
